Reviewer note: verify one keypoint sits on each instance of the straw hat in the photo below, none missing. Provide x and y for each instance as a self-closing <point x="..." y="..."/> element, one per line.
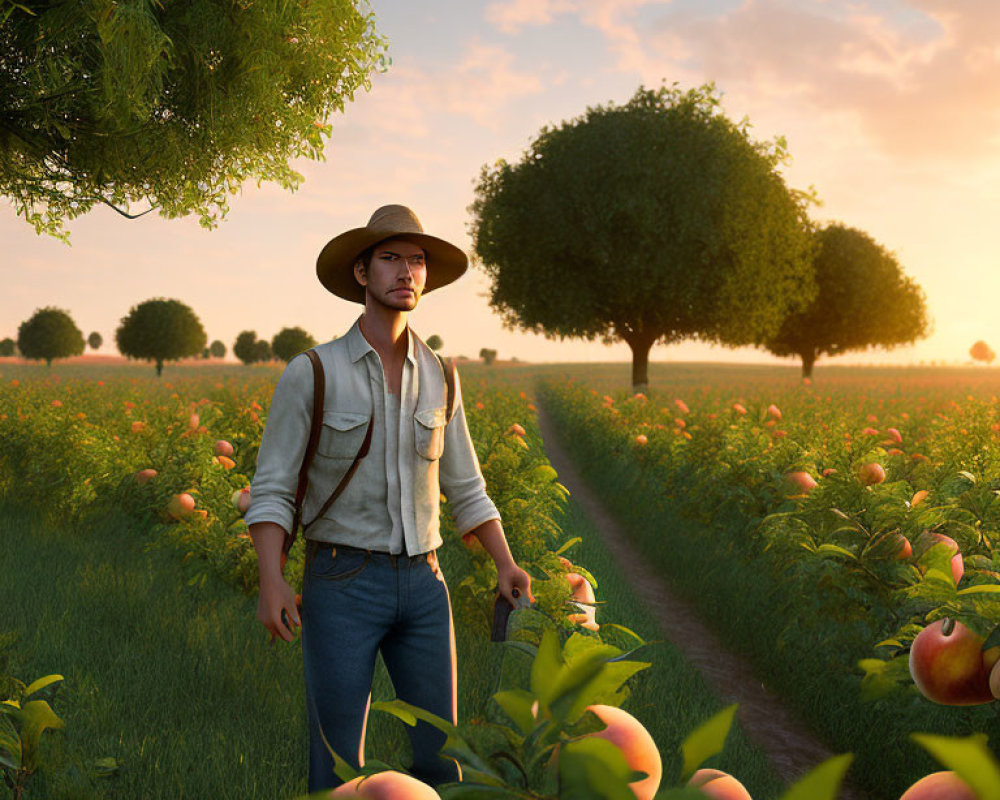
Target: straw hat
<point x="335" y="265"/>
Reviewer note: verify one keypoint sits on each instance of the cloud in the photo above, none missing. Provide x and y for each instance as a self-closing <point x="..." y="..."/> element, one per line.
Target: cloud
<point x="510" y="16"/>
<point x="921" y="79"/>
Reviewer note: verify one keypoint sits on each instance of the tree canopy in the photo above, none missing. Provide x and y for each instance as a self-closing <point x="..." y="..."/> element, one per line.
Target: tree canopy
<point x="864" y="300"/>
<point x="217" y="349"/>
<point x="289" y="342"/>
<point x="980" y="351"/>
<point x="653" y="221"/>
<point x="49" y="333"/>
<point x="95" y="340"/>
<point x="160" y="330"/>
<point x="172" y="105"/>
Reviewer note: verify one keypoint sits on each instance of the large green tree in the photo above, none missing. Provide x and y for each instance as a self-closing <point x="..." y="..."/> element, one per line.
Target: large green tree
<point x="217" y="349"/>
<point x="160" y="330"/>
<point x="654" y="221"/>
<point x="169" y="105"/>
<point x="49" y="333"/>
<point x="864" y="301"/>
<point x="289" y="342"/>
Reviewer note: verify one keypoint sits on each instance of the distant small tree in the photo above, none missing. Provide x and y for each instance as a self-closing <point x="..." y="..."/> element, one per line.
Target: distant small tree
<point x="7" y="347"/>
<point x="488" y="355"/>
<point x="205" y="354"/>
<point x="262" y="350"/>
<point x="50" y="333"/>
<point x="981" y="351"/>
<point x="217" y="349"/>
<point x="160" y="330"/>
<point x="289" y="342"/>
<point x="435" y="342"/>
<point x="243" y="347"/>
<point x="95" y="340"/>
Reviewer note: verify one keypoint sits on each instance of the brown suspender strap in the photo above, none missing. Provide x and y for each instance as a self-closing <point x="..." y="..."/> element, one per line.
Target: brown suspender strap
<point x="447" y="367"/>
<point x="347" y="476"/>
<point x="319" y="387"/>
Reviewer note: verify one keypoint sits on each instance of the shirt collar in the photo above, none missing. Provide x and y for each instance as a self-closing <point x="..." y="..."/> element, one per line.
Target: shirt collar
<point x="358" y="345"/>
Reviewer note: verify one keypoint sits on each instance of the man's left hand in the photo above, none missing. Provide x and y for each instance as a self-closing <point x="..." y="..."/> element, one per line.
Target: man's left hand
<point x="514" y="583"/>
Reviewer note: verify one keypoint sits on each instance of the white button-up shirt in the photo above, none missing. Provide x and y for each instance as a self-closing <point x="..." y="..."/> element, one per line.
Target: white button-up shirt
<point x="388" y="500"/>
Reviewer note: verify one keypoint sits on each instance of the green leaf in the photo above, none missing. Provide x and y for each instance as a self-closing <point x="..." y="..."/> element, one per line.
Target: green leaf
<point x="516" y="704"/>
<point x="706" y="740"/>
<point x="33" y="720"/>
<point x="836" y="550"/>
<point x="547" y="665"/>
<point x="821" y="782"/>
<point x="41" y="683"/>
<point x="543" y="473"/>
<point x="10" y="750"/>
<point x="592" y="767"/>
<point x="985" y="588"/>
<point x="969" y="757"/>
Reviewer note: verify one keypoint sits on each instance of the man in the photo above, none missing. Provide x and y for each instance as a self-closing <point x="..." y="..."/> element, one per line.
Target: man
<point x="372" y="581"/>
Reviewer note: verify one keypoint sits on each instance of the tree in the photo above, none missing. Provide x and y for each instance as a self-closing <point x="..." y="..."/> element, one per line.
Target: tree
<point x="262" y="350"/>
<point x="7" y="347"/>
<point x="205" y="353"/>
<point x="217" y="349"/>
<point x="654" y="221"/>
<point x="435" y="342"/>
<point x="864" y="301"/>
<point x="243" y="347"/>
<point x="981" y="351"/>
<point x="488" y="355"/>
<point x="173" y="104"/>
<point x="160" y="330"/>
<point x="49" y="333"/>
<point x="289" y="342"/>
<point x="95" y="340"/>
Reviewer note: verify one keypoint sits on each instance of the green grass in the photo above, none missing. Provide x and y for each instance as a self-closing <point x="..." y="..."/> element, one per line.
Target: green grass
<point x="177" y="683"/>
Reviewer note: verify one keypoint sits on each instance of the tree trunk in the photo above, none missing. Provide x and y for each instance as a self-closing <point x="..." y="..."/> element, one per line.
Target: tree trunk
<point x="808" y="359"/>
<point x="641" y="343"/>
<point x="159" y="368"/>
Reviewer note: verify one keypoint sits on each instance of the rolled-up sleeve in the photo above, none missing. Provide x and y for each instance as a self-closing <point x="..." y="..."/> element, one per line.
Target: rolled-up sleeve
<point x="461" y="479"/>
<point x="282" y="447"/>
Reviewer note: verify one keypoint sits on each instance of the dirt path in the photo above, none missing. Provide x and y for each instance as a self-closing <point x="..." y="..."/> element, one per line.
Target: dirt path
<point x="792" y="748"/>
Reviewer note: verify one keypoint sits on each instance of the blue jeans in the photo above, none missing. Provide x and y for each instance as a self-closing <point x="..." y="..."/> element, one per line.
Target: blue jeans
<point x="357" y="602"/>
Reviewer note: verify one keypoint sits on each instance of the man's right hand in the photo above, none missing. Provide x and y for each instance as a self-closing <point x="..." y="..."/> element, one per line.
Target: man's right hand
<point x="277" y="598"/>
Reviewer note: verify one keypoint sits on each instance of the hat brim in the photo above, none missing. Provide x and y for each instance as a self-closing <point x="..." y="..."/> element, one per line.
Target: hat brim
<point x="335" y="265"/>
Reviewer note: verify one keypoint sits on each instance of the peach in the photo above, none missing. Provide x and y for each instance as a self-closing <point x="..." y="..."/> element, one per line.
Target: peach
<point x="388" y="785"/>
<point x="516" y="429"/>
<point x="630" y="736"/>
<point x="224" y="461"/>
<point x="901" y="546"/>
<point x="223" y="448"/>
<point x="948" y="665"/>
<point x="871" y="473"/>
<point x="641" y="439"/>
<point x="918" y="497"/>
<point x="928" y="540"/>
<point x="180" y="505"/>
<point x="719" y="785"/>
<point x="583" y="591"/>
<point x="939" y="786"/>
<point x="773" y="411"/>
<point x="241" y="499"/>
<point x="144" y="476"/>
<point x="801" y="480"/>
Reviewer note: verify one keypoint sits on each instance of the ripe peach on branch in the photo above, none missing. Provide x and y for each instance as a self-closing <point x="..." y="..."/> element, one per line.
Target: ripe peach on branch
<point x="948" y="664"/>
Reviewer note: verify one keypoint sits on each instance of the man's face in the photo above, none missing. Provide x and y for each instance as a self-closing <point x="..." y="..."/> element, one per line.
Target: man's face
<point x="396" y="276"/>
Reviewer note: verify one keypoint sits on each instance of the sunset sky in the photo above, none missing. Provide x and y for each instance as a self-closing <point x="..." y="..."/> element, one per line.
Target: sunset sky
<point x="890" y="110"/>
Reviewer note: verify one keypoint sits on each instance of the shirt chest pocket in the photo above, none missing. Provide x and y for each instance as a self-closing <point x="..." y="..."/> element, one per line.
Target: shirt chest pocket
<point x="342" y="434"/>
<point x="428" y="432"/>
